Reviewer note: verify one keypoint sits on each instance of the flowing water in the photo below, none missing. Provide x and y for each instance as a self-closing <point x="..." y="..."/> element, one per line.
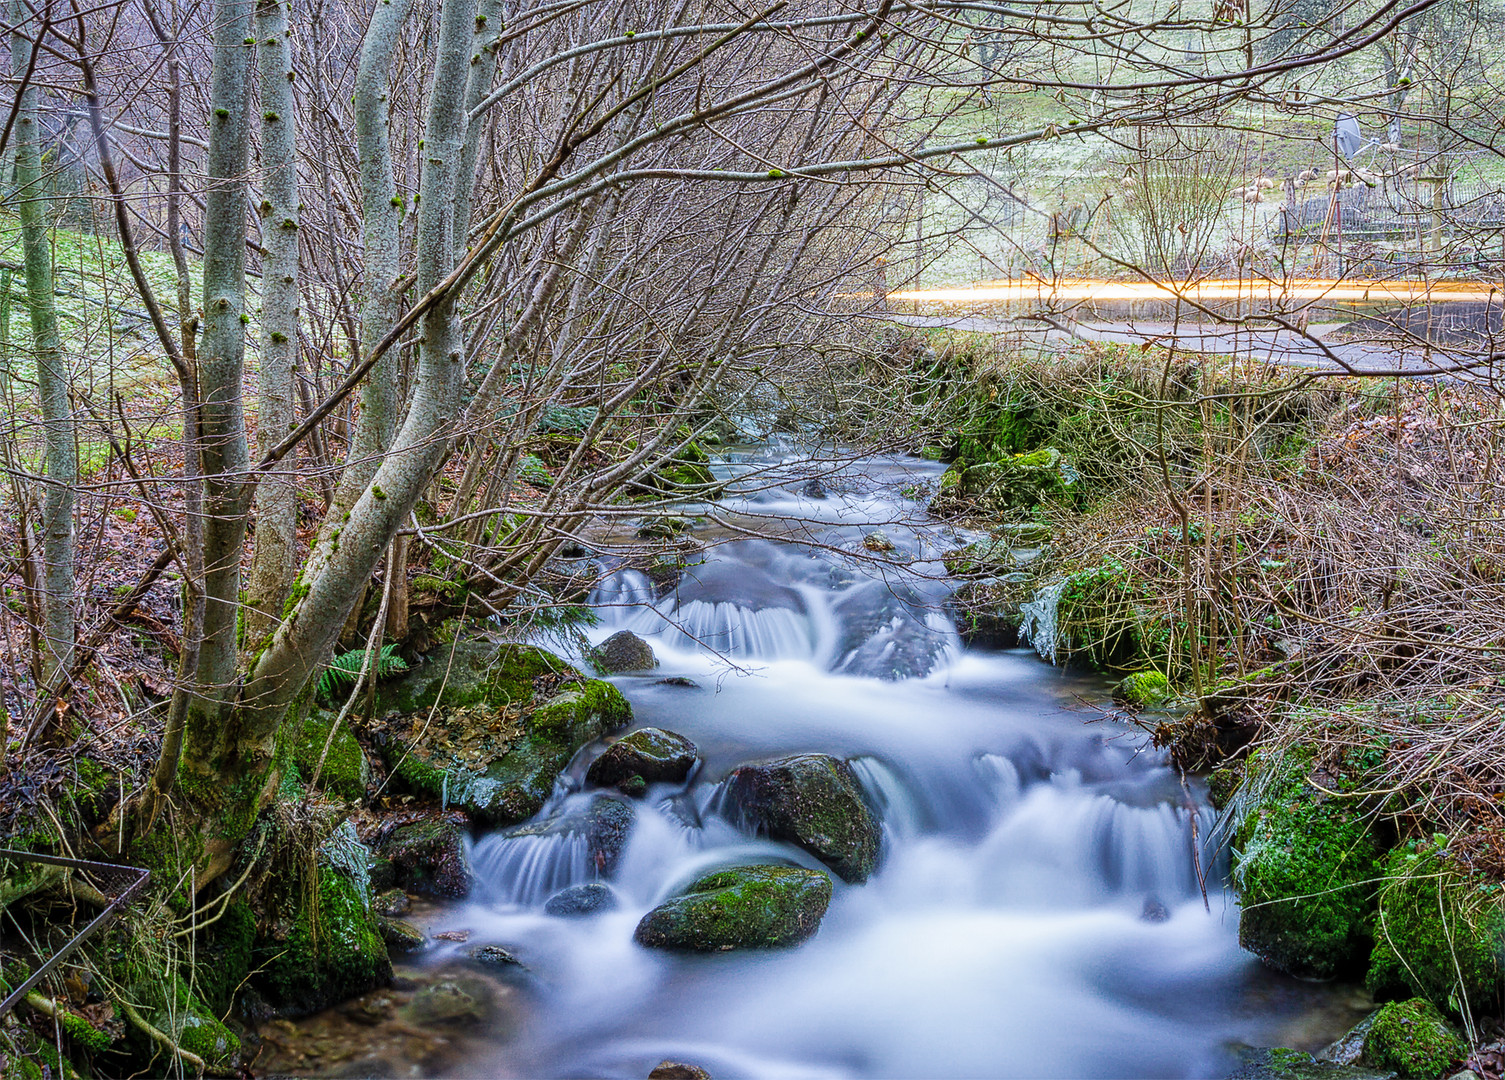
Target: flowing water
<point x="1038" y="910"/>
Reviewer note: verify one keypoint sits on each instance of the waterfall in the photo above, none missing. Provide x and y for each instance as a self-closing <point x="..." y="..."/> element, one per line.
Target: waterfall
<point x="527" y="870"/>
<point x="1039" y="627"/>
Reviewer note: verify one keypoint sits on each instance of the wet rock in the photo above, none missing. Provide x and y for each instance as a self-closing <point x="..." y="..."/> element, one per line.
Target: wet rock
<point x="382" y="873"/>
<point x="813" y="489"/>
<point x="625" y="651"/>
<point x="489" y="728"/>
<point x="1281" y="1063"/>
<point x="1143" y="690"/>
<point x="680" y="681"/>
<point x="494" y="958"/>
<point x="1414" y="1039"/>
<point x="651" y="754"/>
<point x="748" y="907"/>
<point x="1305" y="866"/>
<point x="678" y="1070"/>
<point x="580" y="901"/>
<point x="401" y="937"/>
<point x="451" y="1001"/>
<point x="606" y="826"/>
<point x="878" y="541"/>
<point x="815" y="802"/>
<point x="987" y="611"/>
<point x="1154" y="910"/>
<point x="1349" y="1050"/>
<point x="429" y="858"/>
<point x="392" y="903"/>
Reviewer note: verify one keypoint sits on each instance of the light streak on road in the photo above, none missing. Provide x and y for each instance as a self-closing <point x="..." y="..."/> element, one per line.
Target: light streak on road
<point x="1271" y="293"/>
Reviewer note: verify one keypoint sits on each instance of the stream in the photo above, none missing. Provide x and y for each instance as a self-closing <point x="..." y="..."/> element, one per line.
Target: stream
<point x="1037" y="911"/>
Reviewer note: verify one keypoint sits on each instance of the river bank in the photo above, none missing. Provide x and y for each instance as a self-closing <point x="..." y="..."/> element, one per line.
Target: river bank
<point x="1034" y="903"/>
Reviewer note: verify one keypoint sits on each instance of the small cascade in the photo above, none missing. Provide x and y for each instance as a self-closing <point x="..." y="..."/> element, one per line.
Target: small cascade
<point x="772" y="633"/>
<point x="1039" y="627"/>
<point x="897" y="806"/>
<point x="526" y="870"/>
<point x="620" y="592"/>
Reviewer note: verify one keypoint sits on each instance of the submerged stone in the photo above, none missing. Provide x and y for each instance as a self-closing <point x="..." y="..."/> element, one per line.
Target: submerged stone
<point x="452" y="1001"/>
<point x="489" y="728"/>
<point x="579" y="901"/>
<point x="815" y="802"/>
<point x="652" y="754"/>
<point x="1282" y="1063"/>
<point x="748" y="907"/>
<point x="401" y="937"/>
<point x="625" y="651"/>
<point x="606" y="826"/>
<point x="1412" y="1038"/>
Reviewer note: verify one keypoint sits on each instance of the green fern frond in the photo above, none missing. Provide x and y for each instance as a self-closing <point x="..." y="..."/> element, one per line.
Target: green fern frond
<point x="346" y="668"/>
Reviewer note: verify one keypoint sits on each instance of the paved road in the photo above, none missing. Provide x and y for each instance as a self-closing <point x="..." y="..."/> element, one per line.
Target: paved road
<point x="1270" y="346"/>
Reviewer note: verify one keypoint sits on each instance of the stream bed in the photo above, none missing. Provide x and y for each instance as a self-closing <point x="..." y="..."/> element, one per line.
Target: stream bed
<point x="1048" y="902"/>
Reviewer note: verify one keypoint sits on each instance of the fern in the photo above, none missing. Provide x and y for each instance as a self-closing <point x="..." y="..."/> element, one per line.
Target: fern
<point x="346" y="668"/>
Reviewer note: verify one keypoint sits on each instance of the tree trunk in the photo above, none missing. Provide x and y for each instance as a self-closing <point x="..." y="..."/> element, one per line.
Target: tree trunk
<point x="60" y="467"/>
<point x="276" y="493"/>
<point x="225" y="455"/>
<point x="381" y="215"/>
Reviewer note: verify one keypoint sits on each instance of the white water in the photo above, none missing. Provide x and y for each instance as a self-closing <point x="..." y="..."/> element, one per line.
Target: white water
<point x="1006" y="933"/>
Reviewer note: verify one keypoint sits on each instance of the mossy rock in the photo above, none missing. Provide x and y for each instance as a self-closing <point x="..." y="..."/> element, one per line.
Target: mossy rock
<point x="749" y="907"/>
<point x="1000" y="432"/>
<point x="1412" y="1038"/>
<point x="1305" y="865"/>
<point x="987" y="611"/>
<point x="1439" y="933"/>
<point x="504" y="725"/>
<point x="624" y="651"/>
<point x="532" y="471"/>
<point x="1283" y="1063"/>
<point x="650" y="755"/>
<point x="331" y="948"/>
<point x="1011" y="483"/>
<point x="815" y="802"/>
<point x="1143" y="690"/>
<point x="428" y="857"/>
<point x="346" y="771"/>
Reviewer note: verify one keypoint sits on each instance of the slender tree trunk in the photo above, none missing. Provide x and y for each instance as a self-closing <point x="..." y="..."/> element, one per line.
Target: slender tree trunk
<point x="276" y="493"/>
<point x="224" y="452"/>
<point x="381" y="214"/>
<point x="60" y="468"/>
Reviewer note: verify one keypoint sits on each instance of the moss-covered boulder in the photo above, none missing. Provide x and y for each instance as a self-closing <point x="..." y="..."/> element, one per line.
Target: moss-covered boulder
<point x="987" y="611"/>
<point x="1143" y="690"/>
<point x="1008" y="483"/>
<point x="1305" y="865"/>
<point x="647" y="755"/>
<point x="815" y="802"/>
<point x="326" y="945"/>
<point x="1412" y="1038"/>
<point x="490" y="727"/>
<point x="428" y="857"/>
<point x="625" y="651"/>
<point x="1439" y="932"/>
<point x="193" y="1025"/>
<point x="346" y="771"/>
<point x="748" y="907"/>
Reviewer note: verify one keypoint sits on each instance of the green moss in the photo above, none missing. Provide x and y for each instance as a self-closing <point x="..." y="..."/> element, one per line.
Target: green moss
<point x="346" y="772"/>
<point x="1305" y="869"/>
<point x="84" y="1034"/>
<point x="1412" y="1038"/>
<point x="750" y="907"/>
<point x="1144" y="690"/>
<point x="225" y="956"/>
<point x="1440" y="932"/>
<point x="334" y="949"/>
